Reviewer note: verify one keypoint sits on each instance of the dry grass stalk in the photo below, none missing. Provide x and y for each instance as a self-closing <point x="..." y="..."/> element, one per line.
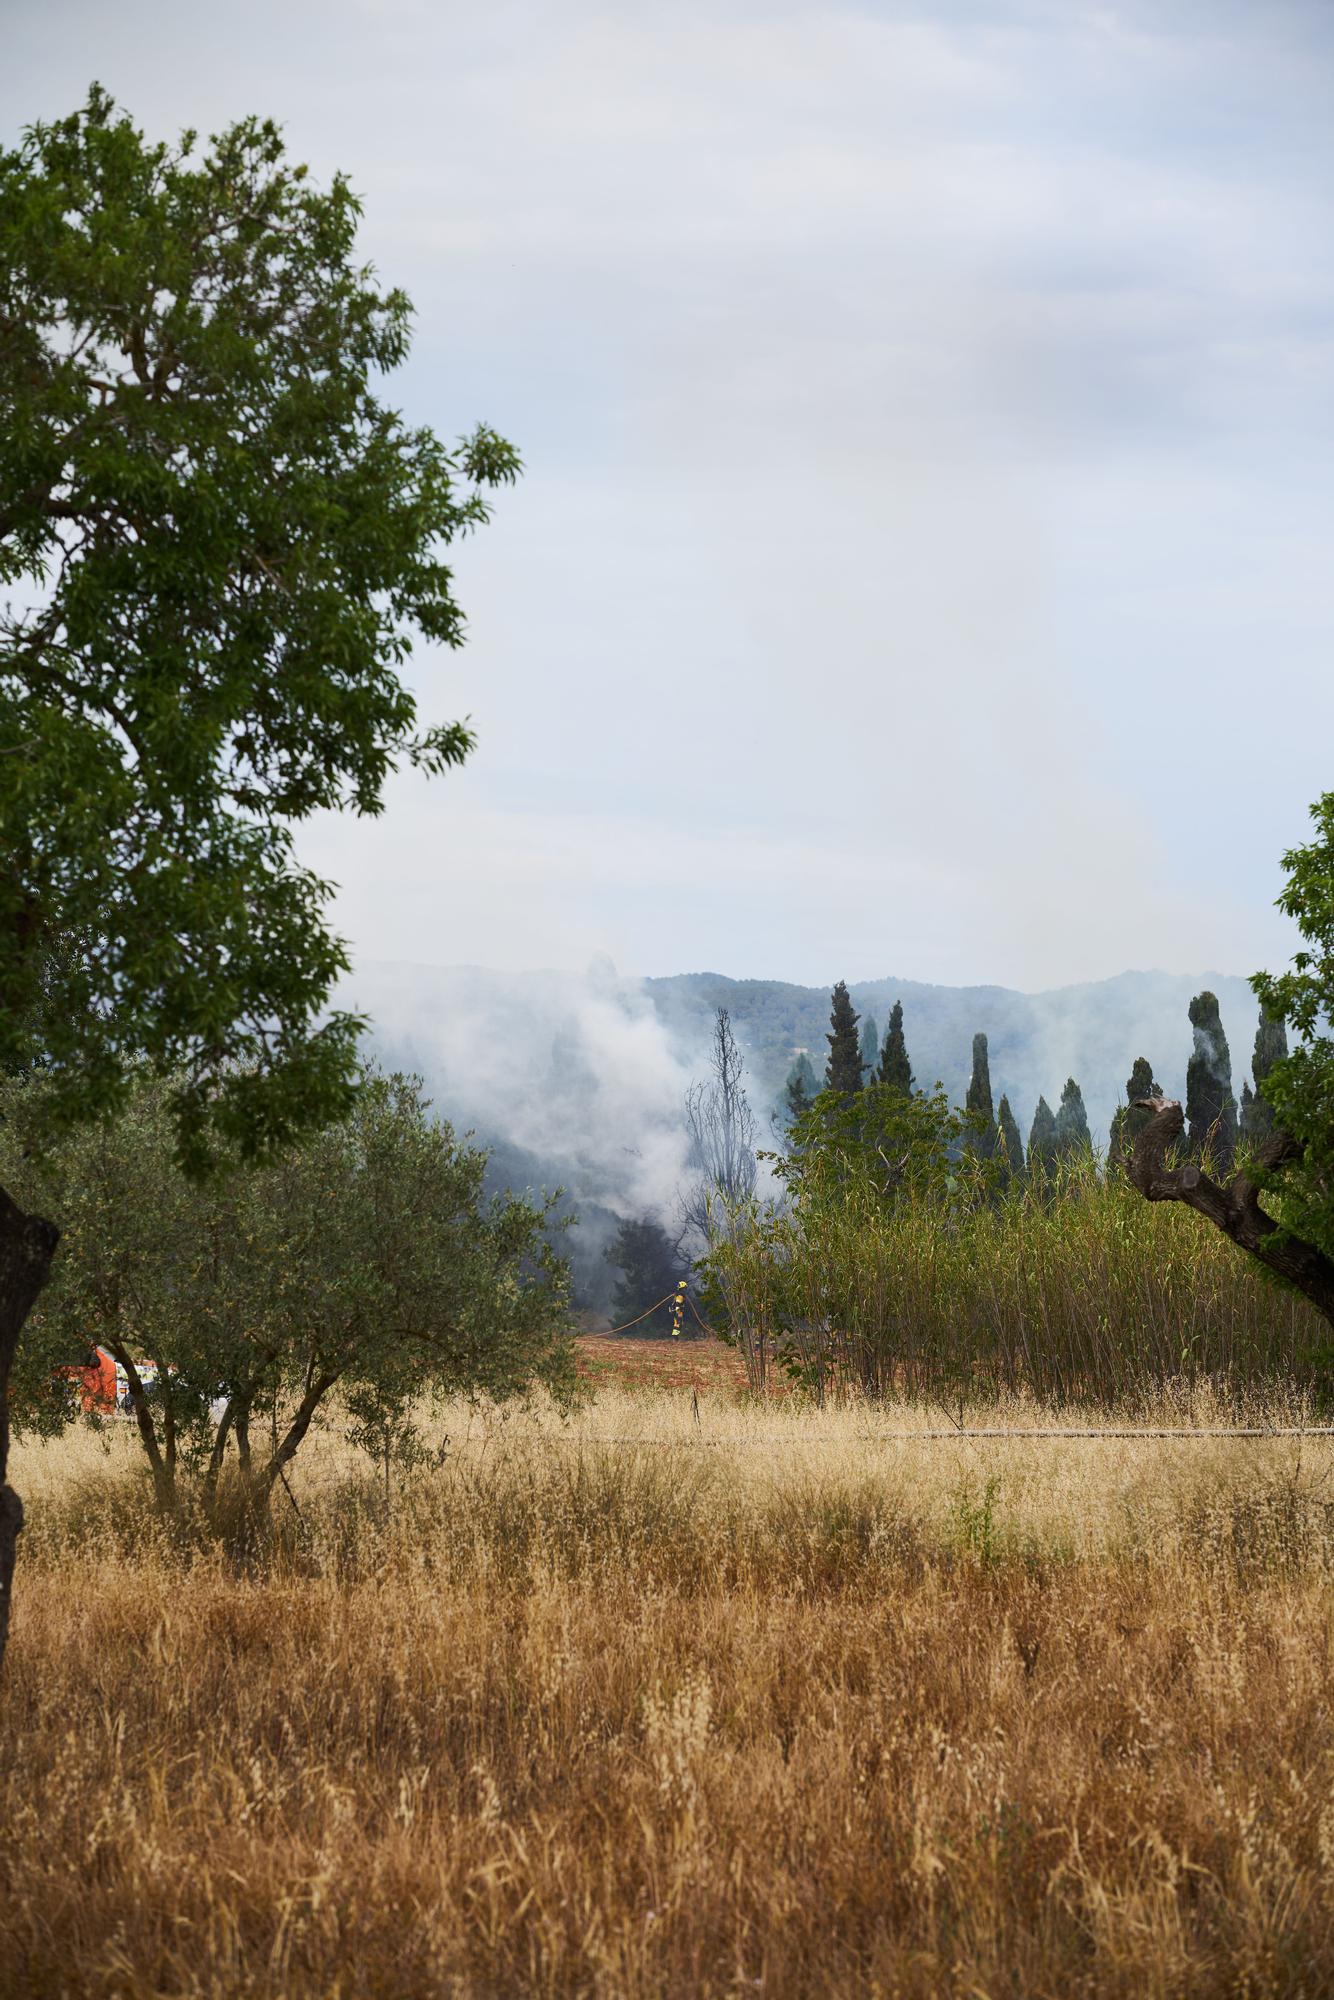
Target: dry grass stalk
<point x="803" y="1714"/>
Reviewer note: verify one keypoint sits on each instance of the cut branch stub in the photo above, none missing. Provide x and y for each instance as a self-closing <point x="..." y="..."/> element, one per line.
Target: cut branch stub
<point x="1234" y="1208"/>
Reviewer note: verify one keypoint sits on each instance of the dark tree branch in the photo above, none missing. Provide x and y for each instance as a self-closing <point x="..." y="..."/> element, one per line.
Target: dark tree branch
<point x="1235" y="1207"/>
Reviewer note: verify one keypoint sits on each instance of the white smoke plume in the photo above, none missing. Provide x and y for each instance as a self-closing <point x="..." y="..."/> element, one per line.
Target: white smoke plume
<point x="574" y="1071"/>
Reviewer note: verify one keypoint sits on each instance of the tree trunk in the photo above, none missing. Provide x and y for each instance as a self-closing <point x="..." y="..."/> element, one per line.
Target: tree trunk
<point x="1235" y="1208"/>
<point x="317" y="1390"/>
<point x="241" y="1425"/>
<point x="216" y="1457"/>
<point x="27" y="1245"/>
<point x="163" y="1467"/>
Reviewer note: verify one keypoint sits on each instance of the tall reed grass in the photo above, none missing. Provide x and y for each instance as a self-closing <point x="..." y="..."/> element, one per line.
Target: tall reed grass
<point x="1075" y="1289"/>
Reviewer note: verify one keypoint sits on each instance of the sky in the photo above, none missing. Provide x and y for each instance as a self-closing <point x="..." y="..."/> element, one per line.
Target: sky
<point x="921" y="564"/>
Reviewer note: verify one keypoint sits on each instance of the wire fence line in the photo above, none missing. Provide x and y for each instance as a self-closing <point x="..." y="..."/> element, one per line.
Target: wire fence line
<point x="955" y="1435"/>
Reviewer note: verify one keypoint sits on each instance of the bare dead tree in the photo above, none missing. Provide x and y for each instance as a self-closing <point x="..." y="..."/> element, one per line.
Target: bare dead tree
<point x="722" y="1134"/>
<point x="1233" y="1207"/>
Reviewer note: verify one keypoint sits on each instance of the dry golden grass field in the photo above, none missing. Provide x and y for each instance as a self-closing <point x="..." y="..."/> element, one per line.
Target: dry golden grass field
<point x="639" y="1704"/>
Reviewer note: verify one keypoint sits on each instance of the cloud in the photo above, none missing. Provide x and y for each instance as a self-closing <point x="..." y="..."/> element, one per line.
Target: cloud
<point x="920" y="561"/>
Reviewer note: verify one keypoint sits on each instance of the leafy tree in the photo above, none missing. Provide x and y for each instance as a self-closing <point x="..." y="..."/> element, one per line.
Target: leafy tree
<point x="1271" y="1048"/>
<point x="367" y="1260"/>
<point x="870" y="1047"/>
<point x="1009" y="1143"/>
<point x="977" y="1102"/>
<point x="895" y="1069"/>
<point x="1210" y="1106"/>
<point x="881" y="1142"/>
<point x="218" y="546"/>
<point x="1072" y="1125"/>
<point x="1043" y="1149"/>
<point x="650" y="1265"/>
<point x="843" y="1071"/>
<point x="1131" y="1117"/>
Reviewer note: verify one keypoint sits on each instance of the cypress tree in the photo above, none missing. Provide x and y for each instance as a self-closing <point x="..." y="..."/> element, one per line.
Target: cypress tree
<point x="1042" y="1141"/>
<point x="1072" y="1124"/>
<point x="650" y="1264"/>
<point x="1271" y="1046"/>
<point x="1211" y="1109"/>
<point x="870" y="1048"/>
<point x="843" y="1071"/>
<point x="1009" y="1145"/>
<point x="895" y="1069"/>
<point x="978" y="1103"/>
<point x="1130" y="1121"/>
<point x="800" y="1088"/>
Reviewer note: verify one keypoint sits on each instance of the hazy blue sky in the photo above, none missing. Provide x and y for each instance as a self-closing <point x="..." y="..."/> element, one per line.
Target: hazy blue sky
<point x="924" y="560"/>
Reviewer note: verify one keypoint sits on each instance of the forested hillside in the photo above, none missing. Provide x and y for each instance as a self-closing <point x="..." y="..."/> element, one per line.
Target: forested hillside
<point x="579" y="1080"/>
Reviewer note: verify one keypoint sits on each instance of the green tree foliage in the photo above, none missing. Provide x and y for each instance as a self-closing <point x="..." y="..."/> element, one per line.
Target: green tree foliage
<point x="217" y="546"/>
<point x="895" y="1069"/>
<point x="1211" y="1109"/>
<point x="1009" y="1143"/>
<point x="1131" y="1118"/>
<point x="1042" y="1144"/>
<point x="1072" y="1125"/>
<point x="843" y="1071"/>
<point x="226" y="544"/>
<point x="800" y="1090"/>
<point x="881" y="1142"/>
<point x="1271" y="1048"/>
<point x="1299" y="1087"/>
<point x="650" y="1264"/>
<point x="870" y="1047"/>
<point x="368" y="1262"/>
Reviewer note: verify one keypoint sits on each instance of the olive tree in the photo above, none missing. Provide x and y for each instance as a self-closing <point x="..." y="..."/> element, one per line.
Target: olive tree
<point x="217" y="548"/>
<point x="1278" y="1204"/>
<point x="367" y="1262"/>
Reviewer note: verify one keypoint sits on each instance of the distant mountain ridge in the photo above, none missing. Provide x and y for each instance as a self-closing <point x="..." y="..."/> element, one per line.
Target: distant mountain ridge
<point x="1092" y="1031"/>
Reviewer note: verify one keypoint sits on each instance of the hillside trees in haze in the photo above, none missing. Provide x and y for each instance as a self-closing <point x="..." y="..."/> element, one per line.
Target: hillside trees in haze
<point x="217" y="547"/>
<point x="800" y="1090"/>
<point x="870" y="1047"/>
